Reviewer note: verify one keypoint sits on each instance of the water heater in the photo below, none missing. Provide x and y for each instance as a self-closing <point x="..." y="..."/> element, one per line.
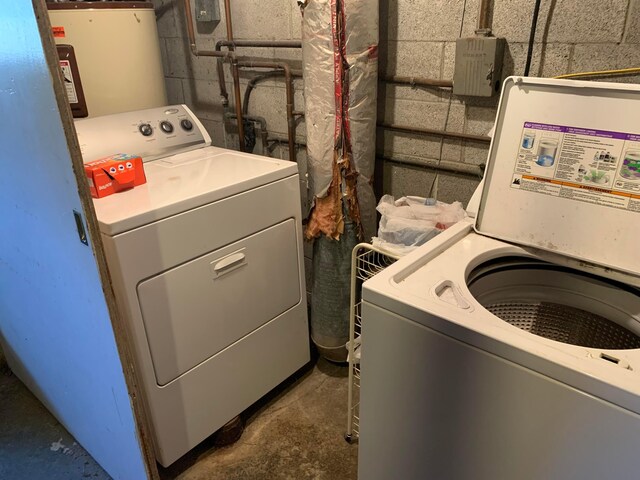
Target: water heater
<point x="109" y="54"/>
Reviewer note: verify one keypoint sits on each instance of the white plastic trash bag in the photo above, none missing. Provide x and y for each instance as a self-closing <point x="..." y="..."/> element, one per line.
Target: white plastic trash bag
<point x="409" y="222"/>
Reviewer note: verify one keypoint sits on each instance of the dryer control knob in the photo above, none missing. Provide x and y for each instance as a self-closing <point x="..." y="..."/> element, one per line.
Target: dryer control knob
<point x="186" y="124"/>
<point x="166" y="126"/>
<point x="145" y="129"/>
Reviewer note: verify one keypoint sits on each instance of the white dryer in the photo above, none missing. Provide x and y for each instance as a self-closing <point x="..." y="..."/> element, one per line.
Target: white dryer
<point x="207" y="266"/>
<point x="508" y="347"/>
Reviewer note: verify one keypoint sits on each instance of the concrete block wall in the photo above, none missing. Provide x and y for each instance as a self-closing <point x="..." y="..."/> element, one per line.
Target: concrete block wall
<point x="417" y="38"/>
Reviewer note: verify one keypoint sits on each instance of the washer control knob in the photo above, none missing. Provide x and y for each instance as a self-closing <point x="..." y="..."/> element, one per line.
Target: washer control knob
<point x="166" y="126"/>
<point x="186" y="124"/>
<point x="145" y="129"/>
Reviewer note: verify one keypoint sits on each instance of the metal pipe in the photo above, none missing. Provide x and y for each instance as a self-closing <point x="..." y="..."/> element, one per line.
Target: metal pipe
<point x="484" y="23"/>
<point x="192" y="37"/>
<point x="252" y="84"/>
<point x="227" y="18"/>
<point x="431" y="131"/>
<point x="265" y="76"/>
<point x="230" y="43"/>
<point x="264" y="134"/>
<point x="236" y="77"/>
<point x="238" y="103"/>
<point x="417" y="81"/>
<point x="261" y="43"/>
<point x="291" y="122"/>
<point x="442" y="165"/>
<point x="532" y="37"/>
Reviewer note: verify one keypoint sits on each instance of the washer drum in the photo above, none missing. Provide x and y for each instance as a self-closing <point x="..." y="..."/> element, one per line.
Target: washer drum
<point x="559" y="303"/>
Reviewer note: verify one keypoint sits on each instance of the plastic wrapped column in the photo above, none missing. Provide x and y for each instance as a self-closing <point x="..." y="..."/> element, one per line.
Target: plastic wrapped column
<point x="340" y="65"/>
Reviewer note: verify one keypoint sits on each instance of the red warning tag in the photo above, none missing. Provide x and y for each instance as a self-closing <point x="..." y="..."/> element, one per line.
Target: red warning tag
<point x="58" y="32"/>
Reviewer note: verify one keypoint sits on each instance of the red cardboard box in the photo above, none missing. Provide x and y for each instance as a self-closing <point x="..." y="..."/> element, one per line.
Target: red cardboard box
<point x="114" y="174"/>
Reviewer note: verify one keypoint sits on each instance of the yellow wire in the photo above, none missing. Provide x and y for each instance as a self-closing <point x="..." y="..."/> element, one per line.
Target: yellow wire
<point x="621" y="71"/>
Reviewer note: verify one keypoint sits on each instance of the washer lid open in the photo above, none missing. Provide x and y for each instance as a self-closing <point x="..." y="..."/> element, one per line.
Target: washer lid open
<point x="563" y="173"/>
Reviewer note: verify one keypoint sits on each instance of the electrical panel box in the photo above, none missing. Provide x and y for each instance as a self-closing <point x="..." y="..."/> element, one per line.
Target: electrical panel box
<point x="207" y="11"/>
<point x="478" y="66"/>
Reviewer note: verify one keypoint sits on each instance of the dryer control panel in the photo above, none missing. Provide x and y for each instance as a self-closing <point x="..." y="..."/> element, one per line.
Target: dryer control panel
<point x="153" y="133"/>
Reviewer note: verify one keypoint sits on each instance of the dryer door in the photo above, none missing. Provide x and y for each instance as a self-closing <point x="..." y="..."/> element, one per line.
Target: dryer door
<point x="197" y="309"/>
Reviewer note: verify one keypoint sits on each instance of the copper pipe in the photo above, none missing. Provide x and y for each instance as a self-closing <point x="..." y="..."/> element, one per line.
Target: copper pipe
<point x="222" y="83"/>
<point x="430" y="131"/>
<point x="192" y="37"/>
<point x="291" y="122"/>
<point x="259" y="78"/>
<point x="418" y="81"/>
<point x="236" y="77"/>
<point x="227" y="17"/>
<point x="235" y="64"/>
<point x="231" y="45"/>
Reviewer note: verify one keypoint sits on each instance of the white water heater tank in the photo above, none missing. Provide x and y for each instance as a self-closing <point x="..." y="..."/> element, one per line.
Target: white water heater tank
<point x="117" y="53"/>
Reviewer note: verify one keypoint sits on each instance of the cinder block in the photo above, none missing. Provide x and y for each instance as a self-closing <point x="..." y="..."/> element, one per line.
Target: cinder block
<point x="165" y="17"/>
<point x="201" y="96"/>
<point x="606" y="57"/>
<point x="175" y="94"/>
<point x="414" y="59"/>
<point x="265" y="20"/>
<point x="183" y="64"/>
<point x="430" y="20"/>
<point x="270" y="103"/>
<point x="424" y="114"/>
<point x="474" y="152"/>
<point x="479" y="120"/>
<point x="455" y="188"/>
<point x="407" y="92"/>
<point x="421" y="115"/>
<point x="400" y="180"/>
<point x="164" y="57"/>
<point x="632" y="33"/>
<point x="448" y="60"/>
<point x="394" y="144"/>
<point x="547" y="60"/>
<point x="216" y="131"/>
<point x="570" y="21"/>
<point x="296" y="21"/>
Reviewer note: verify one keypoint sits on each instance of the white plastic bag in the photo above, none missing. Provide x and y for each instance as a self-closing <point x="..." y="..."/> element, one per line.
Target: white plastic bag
<point x="409" y="222"/>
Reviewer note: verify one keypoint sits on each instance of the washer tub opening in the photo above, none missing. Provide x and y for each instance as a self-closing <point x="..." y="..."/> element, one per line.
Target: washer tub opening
<point x="559" y="303"/>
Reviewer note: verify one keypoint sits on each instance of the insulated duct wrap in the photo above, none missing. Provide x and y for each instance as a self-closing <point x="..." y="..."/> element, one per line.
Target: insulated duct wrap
<point x="340" y="66"/>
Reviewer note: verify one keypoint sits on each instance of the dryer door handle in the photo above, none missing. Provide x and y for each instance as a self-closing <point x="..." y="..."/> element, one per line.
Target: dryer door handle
<point x="229" y="263"/>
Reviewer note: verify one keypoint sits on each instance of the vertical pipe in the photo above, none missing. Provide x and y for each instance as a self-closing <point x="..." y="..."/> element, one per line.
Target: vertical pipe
<point x="291" y="121"/>
<point x="236" y="78"/>
<point x="532" y="37"/>
<point x="483" y="17"/>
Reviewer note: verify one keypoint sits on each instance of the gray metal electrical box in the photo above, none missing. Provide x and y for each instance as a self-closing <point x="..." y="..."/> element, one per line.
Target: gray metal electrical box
<point x="478" y="66"/>
<point x="207" y="11"/>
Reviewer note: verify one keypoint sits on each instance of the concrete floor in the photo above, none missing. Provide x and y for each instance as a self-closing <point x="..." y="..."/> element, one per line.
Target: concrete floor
<point x="296" y="432"/>
<point x="33" y="444"/>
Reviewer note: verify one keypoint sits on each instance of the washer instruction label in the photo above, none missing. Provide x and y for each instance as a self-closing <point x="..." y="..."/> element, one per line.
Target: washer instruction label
<point x="593" y="166"/>
<point x="69" y="84"/>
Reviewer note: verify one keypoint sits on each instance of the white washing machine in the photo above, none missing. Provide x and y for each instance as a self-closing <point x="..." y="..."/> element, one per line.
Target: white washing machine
<point x="508" y="346"/>
<point x="207" y="266"/>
